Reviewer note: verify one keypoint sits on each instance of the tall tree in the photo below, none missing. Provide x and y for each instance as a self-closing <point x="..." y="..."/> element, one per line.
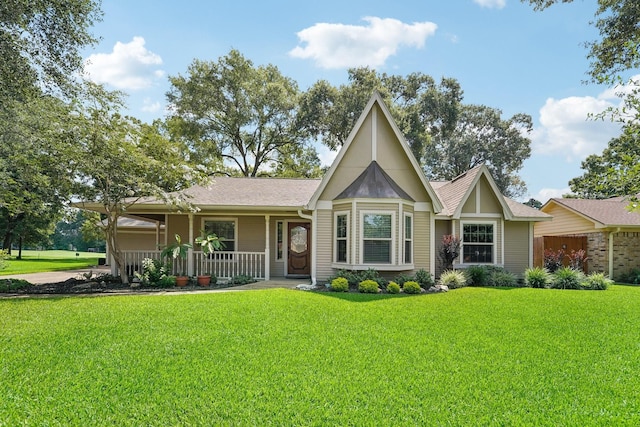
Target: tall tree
<point x="119" y="161"/>
<point x="482" y="136"/>
<point x="40" y="43"/>
<point x="237" y="112"/>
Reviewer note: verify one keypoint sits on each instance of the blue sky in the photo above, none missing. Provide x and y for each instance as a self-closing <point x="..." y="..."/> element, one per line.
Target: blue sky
<point x="503" y="53"/>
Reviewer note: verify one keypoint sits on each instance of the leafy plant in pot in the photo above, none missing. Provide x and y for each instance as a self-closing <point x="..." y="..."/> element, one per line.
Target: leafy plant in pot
<point x="178" y="250"/>
<point x="209" y="243"/>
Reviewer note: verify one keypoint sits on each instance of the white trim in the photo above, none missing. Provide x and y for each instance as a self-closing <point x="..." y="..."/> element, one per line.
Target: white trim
<point x="334" y="258"/>
<point x="530" y="245"/>
<point x="494" y="261"/>
<point x="281" y="259"/>
<point x="354" y="235"/>
<point x="267" y="249"/>
<point x="432" y="244"/>
<point x="404" y="238"/>
<point x="478" y="196"/>
<point x="394" y="242"/>
<point x="190" y="260"/>
<point x="324" y="204"/>
<point x="374" y="134"/>
<point x="502" y="242"/>
<point x="423" y="207"/>
<point x="314" y="247"/>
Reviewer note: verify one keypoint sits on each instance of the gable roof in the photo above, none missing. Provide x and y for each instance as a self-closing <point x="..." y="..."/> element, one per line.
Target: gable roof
<point x="376" y="98"/>
<point x="602" y="212"/>
<point x="374" y="183"/>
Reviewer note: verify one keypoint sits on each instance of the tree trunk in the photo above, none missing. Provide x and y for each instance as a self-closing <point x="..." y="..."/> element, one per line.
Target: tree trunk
<point x="19" y="248"/>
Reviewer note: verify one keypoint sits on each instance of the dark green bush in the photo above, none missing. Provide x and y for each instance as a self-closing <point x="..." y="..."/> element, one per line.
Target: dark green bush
<point x="340" y="284"/>
<point x="241" y="279"/>
<point x="368" y="287"/>
<point x="424" y="278"/>
<point x="537" y="277"/>
<point x="393" y="288"/>
<point x="567" y="278"/>
<point x="504" y="279"/>
<point x="402" y="278"/>
<point x="631" y="277"/>
<point x="10" y="285"/>
<point x="453" y="279"/>
<point x="411" y="287"/>
<point x="166" y="282"/>
<point x="478" y="275"/>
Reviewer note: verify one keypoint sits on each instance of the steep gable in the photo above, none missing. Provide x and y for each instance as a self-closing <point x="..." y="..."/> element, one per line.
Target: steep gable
<point x="376" y="138"/>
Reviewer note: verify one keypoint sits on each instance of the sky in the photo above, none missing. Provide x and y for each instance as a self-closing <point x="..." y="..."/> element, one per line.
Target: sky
<point x="504" y="54"/>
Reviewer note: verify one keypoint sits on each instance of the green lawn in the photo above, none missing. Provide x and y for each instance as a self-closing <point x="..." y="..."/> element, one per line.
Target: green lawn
<point x="41" y="261"/>
<point x="472" y="356"/>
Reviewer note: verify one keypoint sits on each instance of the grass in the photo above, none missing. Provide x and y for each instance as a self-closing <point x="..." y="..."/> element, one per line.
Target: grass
<point x="474" y="356"/>
<point x="42" y="261"/>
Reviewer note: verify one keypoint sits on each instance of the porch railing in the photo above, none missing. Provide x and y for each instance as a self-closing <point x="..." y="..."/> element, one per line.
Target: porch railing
<point x="224" y="264"/>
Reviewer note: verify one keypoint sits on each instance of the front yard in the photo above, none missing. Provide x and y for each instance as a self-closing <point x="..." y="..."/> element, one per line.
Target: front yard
<point x="473" y="356"/>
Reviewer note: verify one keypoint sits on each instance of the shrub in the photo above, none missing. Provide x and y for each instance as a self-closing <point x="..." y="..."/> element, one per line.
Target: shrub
<point x="166" y="282"/>
<point x="449" y="250"/>
<point x="411" y="287"/>
<point x="4" y="256"/>
<point x="567" y="278"/>
<point x="153" y="273"/>
<point x="368" y="287"/>
<point x="402" y="278"/>
<point x="632" y="277"/>
<point x="453" y="279"/>
<point x="504" y="279"/>
<point x="577" y="259"/>
<point x="553" y="259"/>
<point x="596" y="282"/>
<point x="241" y="279"/>
<point x="424" y="278"/>
<point x="393" y="288"/>
<point x="537" y="277"/>
<point x="340" y="284"/>
<point x="10" y="285"/>
<point x="478" y="275"/>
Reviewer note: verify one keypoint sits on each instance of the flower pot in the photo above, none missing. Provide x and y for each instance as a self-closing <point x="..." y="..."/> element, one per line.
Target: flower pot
<point x="204" y="280"/>
<point x="182" y="280"/>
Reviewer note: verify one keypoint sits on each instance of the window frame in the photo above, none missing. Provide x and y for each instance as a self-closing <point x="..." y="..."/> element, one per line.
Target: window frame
<point x="407" y="239"/>
<point x="280" y="225"/>
<point x="223" y="255"/>
<point x="346" y="238"/>
<point x="392" y="239"/>
<point x="493" y="245"/>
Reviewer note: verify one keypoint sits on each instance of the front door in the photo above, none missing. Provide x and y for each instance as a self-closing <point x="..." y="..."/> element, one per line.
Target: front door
<point x="299" y="253"/>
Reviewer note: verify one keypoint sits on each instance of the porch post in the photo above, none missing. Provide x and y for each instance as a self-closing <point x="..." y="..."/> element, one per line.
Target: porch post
<point x="190" y="268"/>
<point x="267" y="258"/>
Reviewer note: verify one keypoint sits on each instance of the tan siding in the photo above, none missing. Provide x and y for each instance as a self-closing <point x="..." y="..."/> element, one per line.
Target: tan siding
<point x="470" y="205"/>
<point x="564" y="222"/>
<point x="139" y="240"/>
<point x="421" y="240"/>
<point x="338" y="207"/>
<point x="324" y="244"/>
<point x="178" y="224"/>
<point x="488" y="201"/>
<point x="516" y="246"/>
<point x="251" y="237"/>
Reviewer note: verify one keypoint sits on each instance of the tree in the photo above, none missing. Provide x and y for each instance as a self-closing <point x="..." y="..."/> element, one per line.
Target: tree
<point x="534" y="203"/>
<point x="230" y="110"/>
<point x="40" y="43"/>
<point x="482" y="136"/>
<point x="617" y="52"/>
<point x="615" y="172"/>
<point x="119" y="161"/>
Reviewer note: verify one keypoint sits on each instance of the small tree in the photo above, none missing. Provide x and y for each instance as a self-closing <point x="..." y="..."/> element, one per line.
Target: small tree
<point x="449" y="250"/>
<point x="553" y="259"/>
<point x="577" y="259"/>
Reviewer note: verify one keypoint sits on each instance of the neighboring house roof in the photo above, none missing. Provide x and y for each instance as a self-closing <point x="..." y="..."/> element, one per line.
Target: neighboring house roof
<point x="376" y="98"/>
<point x="374" y="183"/>
<point x="603" y="212"/>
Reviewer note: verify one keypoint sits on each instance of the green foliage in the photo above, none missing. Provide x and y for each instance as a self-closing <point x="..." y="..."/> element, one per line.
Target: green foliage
<point x="424" y="278"/>
<point x="10" y="285"/>
<point x="477" y="275"/>
<point x="368" y="287"/>
<point x="393" y="288"/>
<point x="340" y="284"/>
<point x="401" y="278"/>
<point x="632" y="276"/>
<point x="4" y="256"/>
<point x="166" y="282"/>
<point x="177" y="249"/>
<point x="596" y="282"/>
<point x="504" y="279"/>
<point x="453" y="279"/>
<point x="411" y="287"/>
<point x="355" y="277"/>
<point x="567" y="278"/>
<point x="155" y="273"/>
<point x="241" y="279"/>
<point x="537" y="277"/>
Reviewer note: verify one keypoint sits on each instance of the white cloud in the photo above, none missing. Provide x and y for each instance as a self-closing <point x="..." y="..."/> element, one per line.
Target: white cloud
<point x="567" y="131"/>
<point x="326" y="155"/>
<point x="129" y="66"/>
<point x="344" y="46"/>
<point x="547" y="193"/>
<point x="151" y="107"/>
<point x="491" y="4"/>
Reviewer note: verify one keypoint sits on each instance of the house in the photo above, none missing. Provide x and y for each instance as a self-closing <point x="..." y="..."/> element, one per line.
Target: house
<point x="373" y="208"/>
<point x="609" y="232"/>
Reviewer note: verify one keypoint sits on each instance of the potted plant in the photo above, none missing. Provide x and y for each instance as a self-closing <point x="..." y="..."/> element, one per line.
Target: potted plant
<point x="209" y="243"/>
<point x="178" y="250"/>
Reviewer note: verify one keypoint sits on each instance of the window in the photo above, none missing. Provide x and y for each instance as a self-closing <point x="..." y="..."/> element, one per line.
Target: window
<point x="279" y="241"/>
<point x="226" y="231"/>
<point x="408" y="239"/>
<point x="377" y="238"/>
<point x="341" y="237"/>
<point x="477" y="243"/>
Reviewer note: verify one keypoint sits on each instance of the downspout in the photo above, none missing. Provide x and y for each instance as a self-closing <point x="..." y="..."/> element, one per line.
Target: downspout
<point x="314" y="239"/>
<point x="611" y="234"/>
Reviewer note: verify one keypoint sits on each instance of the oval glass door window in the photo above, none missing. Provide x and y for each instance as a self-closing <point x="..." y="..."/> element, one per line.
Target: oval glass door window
<point x="298" y="239"/>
